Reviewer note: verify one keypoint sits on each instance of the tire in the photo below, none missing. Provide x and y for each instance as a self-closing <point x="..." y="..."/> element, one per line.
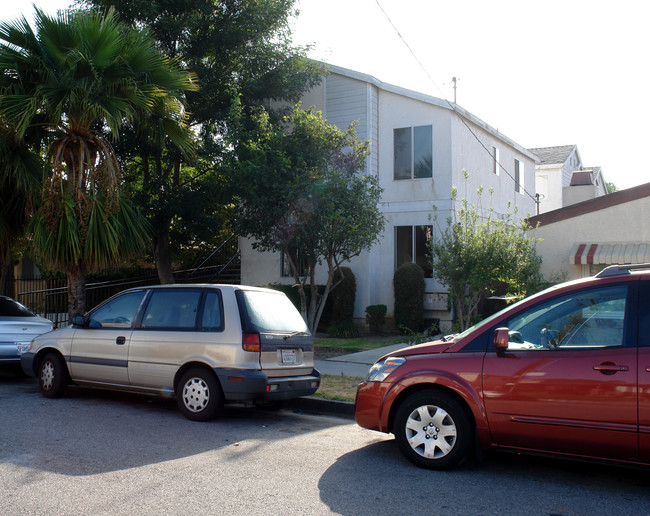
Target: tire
<point x="53" y="376"/>
<point x="199" y="395"/>
<point x="434" y="430"/>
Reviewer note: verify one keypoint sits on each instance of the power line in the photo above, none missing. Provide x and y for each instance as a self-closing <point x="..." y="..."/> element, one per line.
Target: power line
<point x="451" y="105"/>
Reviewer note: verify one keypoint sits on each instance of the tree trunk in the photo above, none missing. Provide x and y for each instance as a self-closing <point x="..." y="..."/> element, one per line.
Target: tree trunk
<point x="76" y="291"/>
<point x="161" y="256"/>
<point x="5" y="263"/>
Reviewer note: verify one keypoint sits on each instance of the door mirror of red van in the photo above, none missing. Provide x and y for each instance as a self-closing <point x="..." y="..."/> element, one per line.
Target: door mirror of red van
<point x="501" y="339"/>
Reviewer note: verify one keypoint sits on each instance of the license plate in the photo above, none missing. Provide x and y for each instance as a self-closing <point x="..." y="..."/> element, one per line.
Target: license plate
<point x="22" y="347"/>
<point x="288" y="356"/>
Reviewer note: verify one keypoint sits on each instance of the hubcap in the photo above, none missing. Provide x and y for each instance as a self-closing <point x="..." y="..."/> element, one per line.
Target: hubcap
<point x="431" y="432"/>
<point x="196" y="394"/>
<point x="47" y="375"/>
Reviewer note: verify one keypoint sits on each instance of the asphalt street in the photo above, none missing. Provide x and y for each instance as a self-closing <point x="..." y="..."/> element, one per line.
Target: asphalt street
<point x="103" y="453"/>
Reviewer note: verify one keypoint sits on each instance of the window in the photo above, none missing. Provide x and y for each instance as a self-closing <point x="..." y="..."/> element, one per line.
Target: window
<point x="412" y="244"/>
<point x="172" y="308"/>
<point x="285" y="264"/>
<point x="413" y="152"/>
<point x="495" y="161"/>
<point x="519" y="176"/>
<point x="212" y="317"/>
<point x="118" y="313"/>
<point x="586" y="319"/>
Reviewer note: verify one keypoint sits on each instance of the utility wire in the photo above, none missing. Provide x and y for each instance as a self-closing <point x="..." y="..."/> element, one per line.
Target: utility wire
<point x="451" y="104"/>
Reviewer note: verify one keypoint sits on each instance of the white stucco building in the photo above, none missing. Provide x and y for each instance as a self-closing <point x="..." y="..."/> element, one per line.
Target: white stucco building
<point x="420" y="145"/>
<point x="581" y="239"/>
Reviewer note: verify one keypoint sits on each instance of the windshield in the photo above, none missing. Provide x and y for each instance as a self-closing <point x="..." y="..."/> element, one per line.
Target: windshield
<point x="269" y="311"/>
<point x="12" y="308"/>
<point x="485" y="321"/>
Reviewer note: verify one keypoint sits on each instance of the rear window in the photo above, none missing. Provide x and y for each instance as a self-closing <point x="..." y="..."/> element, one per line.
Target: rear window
<point x="267" y="311"/>
<point x="12" y="308"/>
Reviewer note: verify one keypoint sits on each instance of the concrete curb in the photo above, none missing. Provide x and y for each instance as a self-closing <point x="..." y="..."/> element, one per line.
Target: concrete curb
<point x="314" y="405"/>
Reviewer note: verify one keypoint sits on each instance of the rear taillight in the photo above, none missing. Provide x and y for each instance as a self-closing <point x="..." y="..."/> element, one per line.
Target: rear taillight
<point x="251" y="342"/>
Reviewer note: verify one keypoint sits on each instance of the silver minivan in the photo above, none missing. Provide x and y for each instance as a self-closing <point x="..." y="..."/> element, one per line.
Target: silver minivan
<point x="205" y="344"/>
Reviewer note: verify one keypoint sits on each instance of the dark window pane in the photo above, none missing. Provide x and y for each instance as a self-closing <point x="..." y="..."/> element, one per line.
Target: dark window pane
<point x="423" y="235"/>
<point x="403" y="245"/>
<point x="587" y="319"/>
<point x="423" y="151"/>
<point x="212" y="319"/>
<point x="172" y="308"/>
<point x="118" y="313"/>
<point x="402" y="151"/>
<point x="517" y="183"/>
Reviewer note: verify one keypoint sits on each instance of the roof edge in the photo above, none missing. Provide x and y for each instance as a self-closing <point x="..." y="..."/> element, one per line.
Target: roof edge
<point x="429" y="99"/>
<point x="591" y="205"/>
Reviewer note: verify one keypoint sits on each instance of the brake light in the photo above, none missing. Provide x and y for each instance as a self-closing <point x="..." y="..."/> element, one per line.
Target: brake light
<point x="251" y="342"/>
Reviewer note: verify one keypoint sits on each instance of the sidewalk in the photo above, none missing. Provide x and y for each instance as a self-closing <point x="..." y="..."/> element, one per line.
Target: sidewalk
<point x="355" y="364"/>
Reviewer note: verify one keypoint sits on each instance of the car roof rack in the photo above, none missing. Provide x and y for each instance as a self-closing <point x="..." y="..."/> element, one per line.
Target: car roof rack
<point x="619" y="270"/>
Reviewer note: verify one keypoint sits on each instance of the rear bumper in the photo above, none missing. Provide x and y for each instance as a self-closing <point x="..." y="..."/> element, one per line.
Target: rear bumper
<point x="240" y="385"/>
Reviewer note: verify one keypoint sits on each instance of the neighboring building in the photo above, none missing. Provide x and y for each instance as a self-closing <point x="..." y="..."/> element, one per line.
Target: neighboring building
<point x="420" y="146"/>
<point x="561" y="179"/>
<point x="581" y="239"/>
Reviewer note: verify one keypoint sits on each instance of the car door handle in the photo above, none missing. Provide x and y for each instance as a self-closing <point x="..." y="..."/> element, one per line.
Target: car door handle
<point x="120" y="341"/>
<point x="610" y="368"/>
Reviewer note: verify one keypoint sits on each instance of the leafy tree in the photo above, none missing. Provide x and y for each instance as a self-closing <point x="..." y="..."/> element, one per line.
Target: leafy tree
<point x="77" y="74"/>
<point x="238" y="49"/>
<point x="20" y="182"/>
<point x="611" y="187"/>
<point x="302" y="192"/>
<point x="474" y="255"/>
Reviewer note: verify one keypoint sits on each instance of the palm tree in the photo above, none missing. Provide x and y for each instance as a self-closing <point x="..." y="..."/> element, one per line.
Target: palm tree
<point x="79" y="74"/>
<point x="20" y="180"/>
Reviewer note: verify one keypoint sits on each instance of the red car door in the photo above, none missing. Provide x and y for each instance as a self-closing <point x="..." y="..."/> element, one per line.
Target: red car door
<point x="568" y="381"/>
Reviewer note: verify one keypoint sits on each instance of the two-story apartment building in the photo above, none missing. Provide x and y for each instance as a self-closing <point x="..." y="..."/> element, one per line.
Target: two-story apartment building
<point x="420" y="147"/>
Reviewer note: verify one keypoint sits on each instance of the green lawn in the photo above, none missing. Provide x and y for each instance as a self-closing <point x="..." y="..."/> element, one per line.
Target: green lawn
<point x="339" y="388"/>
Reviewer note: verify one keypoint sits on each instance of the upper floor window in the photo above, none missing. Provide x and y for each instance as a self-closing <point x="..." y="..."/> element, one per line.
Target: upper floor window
<point x="413" y="152"/>
<point x="495" y="160"/>
<point x="519" y="176"/>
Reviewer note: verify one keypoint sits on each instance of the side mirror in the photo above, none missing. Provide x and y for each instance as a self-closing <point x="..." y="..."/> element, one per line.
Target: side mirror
<point x="78" y="320"/>
<point x="501" y="339"/>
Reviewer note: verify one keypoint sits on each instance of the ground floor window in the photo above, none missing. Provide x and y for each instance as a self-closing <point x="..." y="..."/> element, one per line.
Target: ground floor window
<point x="412" y="244"/>
<point x="285" y="263"/>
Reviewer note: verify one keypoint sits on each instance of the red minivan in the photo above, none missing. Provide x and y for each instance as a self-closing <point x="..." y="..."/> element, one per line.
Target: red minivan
<point x="565" y="372"/>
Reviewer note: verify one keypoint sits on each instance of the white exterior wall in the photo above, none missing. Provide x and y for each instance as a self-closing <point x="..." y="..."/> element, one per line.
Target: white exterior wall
<point x="609" y="225"/>
<point x="469" y="154"/>
<point x="379" y="110"/>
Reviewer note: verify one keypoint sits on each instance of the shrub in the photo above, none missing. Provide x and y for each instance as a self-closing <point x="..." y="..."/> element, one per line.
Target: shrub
<point x="343" y="330"/>
<point x="376" y="317"/>
<point x="408" y="285"/>
<point x="343" y="297"/>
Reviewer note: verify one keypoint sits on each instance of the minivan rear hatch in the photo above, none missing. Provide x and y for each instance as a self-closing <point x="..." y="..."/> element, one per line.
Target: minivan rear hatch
<point x="286" y="346"/>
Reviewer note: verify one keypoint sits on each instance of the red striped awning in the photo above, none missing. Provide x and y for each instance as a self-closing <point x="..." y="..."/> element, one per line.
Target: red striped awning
<point x="610" y="254"/>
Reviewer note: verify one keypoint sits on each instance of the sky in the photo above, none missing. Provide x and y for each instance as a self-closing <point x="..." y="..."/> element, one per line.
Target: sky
<point x="557" y="72"/>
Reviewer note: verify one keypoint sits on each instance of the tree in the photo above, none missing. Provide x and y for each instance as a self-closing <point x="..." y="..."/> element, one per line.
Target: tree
<point x="611" y="187"/>
<point x="20" y="182"/>
<point x="238" y="49"/>
<point x="302" y="192"/>
<point x="79" y="73"/>
<point x="472" y="257"/>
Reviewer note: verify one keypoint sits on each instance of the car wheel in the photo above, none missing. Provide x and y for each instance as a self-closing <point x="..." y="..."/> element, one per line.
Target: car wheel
<point x="199" y="395"/>
<point x="53" y="376"/>
<point x="434" y="430"/>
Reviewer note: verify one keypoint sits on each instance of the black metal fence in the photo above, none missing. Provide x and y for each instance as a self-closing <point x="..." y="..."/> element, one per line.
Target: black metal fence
<point x="49" y="297"/>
